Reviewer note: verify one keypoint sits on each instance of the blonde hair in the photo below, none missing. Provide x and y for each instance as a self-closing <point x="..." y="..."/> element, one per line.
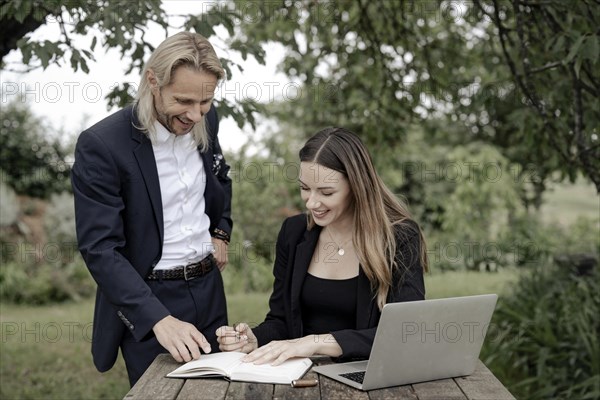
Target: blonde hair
<point x="184" y="49"/>
<point x="377" y="212"/>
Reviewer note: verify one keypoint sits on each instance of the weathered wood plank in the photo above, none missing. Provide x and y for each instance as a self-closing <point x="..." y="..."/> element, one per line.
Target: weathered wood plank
<point x="397" y="393"/>
<point x="249" y="391"/>
<point x="331" y="389"/>
<point x="213" y="389"/>
<point x="443" y="389"/>
<point x="483" y="385"/>
<point x="154" y="385"/>
<point x="283" y="392"/>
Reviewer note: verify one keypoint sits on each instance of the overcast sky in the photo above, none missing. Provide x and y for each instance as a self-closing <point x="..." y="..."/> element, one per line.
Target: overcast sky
<point x="71" y="100"/>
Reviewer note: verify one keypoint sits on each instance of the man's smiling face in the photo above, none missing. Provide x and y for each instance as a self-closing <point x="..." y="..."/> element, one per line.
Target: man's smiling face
<point x="184" y="102"/>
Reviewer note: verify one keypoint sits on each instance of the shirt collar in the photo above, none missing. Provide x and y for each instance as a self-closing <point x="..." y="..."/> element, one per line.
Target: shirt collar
<point x="162" y="133"/>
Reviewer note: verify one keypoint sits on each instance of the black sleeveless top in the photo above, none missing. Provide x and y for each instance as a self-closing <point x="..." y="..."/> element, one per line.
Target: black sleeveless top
<point x="328" y="304"/>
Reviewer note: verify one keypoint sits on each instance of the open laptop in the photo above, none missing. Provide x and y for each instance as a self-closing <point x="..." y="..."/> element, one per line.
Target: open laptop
<point x="420" y="341"/>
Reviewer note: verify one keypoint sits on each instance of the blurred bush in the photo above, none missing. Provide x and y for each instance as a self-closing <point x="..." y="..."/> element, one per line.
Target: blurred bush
<point x="249" y="269"/>
<point x="255" y="276"/>
<point x="583" y="236"/>
<point x="527" y="241"/>
<point x="59" y="220"/>
<point x="48" y="271"/>
<point x="9" y="206"/>
<point x="33" y="164"/>
<point x="9" y="217"/>
<point x="543" y="342"/>
<point x="46" y="283"/>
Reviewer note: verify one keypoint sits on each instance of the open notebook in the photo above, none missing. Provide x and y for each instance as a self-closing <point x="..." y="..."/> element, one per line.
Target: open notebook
<point x="229" y="365"/>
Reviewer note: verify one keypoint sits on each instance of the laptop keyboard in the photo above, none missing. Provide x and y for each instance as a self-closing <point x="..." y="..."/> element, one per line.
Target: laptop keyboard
<point x="355" y="376"/>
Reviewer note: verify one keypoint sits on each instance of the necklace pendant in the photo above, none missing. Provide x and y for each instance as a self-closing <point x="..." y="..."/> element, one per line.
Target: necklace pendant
<point x="341" y="251"/>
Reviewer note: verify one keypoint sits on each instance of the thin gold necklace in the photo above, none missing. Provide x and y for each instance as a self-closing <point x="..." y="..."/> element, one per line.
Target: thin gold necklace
<point x="340" y="247"/>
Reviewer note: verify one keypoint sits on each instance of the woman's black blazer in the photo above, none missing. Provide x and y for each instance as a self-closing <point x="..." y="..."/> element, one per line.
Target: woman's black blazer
<point x="294" y="250"/>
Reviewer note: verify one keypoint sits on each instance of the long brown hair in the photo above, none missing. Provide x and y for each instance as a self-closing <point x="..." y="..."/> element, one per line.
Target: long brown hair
<point x="377" y="211"/>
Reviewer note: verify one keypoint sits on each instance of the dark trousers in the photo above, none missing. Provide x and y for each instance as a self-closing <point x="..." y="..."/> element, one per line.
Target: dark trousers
<point x="200" y="301"/>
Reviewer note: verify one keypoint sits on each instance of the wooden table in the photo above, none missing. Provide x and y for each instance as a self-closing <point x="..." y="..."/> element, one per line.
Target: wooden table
<point x="481" y="385"/>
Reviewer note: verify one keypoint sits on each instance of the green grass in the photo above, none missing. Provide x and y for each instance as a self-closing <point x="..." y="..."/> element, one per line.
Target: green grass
<point x="466" y="283"/>
<point x="45" y="354"/>
<point x="45" y="350"/>
<point x="564" y="202"/>
<point x="250" y="308"/>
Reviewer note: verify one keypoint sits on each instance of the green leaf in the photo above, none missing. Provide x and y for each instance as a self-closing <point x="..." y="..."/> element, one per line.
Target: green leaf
<point x="574" y="50"/>
<point x="94" y="41"/>
<point x="23" y="10"/>
<point x="559" y="45"/>
<point x="88" y="54"/>
<point x="577" y="66"/>
<point x="75" y="57"/>
<point x="25" y="45"/>
<point x="84" y="66"/>
<point x="229" y="26"/>
<point x="4" y="10"/>
<point x="591" y="48"/>
<point x="44" y="55"/>
<point x="226" y="66"/>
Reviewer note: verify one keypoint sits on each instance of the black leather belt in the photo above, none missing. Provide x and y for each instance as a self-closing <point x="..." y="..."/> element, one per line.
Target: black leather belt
<point x="186" y="272"/>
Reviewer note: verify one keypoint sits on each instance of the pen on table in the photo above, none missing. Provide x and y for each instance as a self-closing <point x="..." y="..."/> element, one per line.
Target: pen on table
<point x="304" y="383"/>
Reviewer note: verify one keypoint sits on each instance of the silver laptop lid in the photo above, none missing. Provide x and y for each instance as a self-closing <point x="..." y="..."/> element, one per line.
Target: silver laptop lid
<point x="430" y="339"/>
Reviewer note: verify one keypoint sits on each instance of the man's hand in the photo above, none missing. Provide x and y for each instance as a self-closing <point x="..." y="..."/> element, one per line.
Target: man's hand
<point x="236" y="338"/>
<point x="220" y="253"/>
<point x="181" y="339"/>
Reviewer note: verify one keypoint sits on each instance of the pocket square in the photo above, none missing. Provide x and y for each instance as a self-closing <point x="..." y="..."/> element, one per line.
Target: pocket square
<point x="218" y="161"/>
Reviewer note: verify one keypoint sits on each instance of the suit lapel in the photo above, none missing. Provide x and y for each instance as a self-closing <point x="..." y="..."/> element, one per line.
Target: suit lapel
<point x="304" y="253"/>
<point x="145" y="158"/>
<point x="210" y="177"/>
<point x="206" y="160"/>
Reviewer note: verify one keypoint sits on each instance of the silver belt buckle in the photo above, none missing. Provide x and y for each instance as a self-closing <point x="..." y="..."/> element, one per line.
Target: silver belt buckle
<point x="185" y="272"/>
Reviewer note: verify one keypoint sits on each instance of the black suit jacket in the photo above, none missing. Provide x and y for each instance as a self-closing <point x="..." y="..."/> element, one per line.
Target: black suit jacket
<point x="295" y="248"/>
<point x="119" y="220"/>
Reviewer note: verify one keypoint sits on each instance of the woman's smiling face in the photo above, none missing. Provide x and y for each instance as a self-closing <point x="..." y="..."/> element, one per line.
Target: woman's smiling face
<point x="326" y="193"/>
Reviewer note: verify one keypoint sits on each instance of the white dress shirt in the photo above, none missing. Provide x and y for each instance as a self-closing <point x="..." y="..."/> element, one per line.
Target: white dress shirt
<point x="182" y="183"/>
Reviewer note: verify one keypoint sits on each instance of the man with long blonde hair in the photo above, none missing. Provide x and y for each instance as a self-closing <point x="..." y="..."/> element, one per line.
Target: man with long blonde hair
<point x="152" y="203"/>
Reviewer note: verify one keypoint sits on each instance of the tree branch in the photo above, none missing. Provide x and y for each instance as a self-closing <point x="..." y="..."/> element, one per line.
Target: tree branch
<point x="63" y="30"/>
<point x="546" y="67"/>
<point x="586" y="158"/>
<point x="593" y="90"/>
<point x="11" y="30"/>
<point x="502" y="34"/>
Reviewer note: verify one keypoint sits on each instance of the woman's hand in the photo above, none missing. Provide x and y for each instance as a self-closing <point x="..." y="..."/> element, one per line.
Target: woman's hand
<point x="278" y="351"/>
<point x="236" y="338"/>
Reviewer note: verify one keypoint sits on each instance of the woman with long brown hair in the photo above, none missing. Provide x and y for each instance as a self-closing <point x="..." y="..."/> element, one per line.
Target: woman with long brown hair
<point x="355" y="250"/>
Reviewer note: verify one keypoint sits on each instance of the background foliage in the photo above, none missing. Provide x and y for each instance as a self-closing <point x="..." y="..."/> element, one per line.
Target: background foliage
<point x="31" y="161"/>
<point x="482" y="70"/>
<point x="40" y="261"/>
<point x="473" y="112"/>
<point x="111" y="25"/>
<point x="546" y="336"/>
